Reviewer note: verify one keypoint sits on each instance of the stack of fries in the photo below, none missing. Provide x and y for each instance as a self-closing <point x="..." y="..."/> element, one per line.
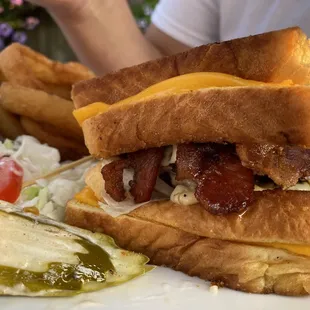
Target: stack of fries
<point x="35" y="99"/>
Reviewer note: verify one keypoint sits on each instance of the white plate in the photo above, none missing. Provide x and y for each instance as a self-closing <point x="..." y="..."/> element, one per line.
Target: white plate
<point x="161" y="289"/>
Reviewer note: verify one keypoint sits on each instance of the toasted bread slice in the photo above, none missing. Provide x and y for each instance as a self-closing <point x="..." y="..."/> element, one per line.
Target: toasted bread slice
<point x="269" y="57"/>
<point x="241" y="266"/>
<point x="276" y="115"/>
<point x="20" y="65"/>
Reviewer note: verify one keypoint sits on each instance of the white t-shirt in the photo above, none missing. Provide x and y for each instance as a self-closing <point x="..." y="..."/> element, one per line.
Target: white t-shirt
<point x="197" y="22"/>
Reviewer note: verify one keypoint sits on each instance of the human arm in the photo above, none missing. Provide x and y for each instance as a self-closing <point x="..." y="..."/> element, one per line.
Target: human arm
<point x="104" y="34"/>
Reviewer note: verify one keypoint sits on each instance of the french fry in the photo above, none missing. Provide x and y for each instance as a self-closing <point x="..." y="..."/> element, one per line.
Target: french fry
<point x="41" y="107"/>
<point x="10" y="126"/>
<point x="20" y="65"/>
<point x="68" y="148"/>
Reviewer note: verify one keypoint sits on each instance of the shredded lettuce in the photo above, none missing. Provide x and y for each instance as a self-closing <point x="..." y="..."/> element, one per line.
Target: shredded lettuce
<point x="49" y="196"/>
<point x="30" y="192"/>
<point x="8" y="144"/>
<point x="28" y="203"/>
<point x="35" y="158"/>
<point x="4" y="151"/>
<point x="42" y="198"/>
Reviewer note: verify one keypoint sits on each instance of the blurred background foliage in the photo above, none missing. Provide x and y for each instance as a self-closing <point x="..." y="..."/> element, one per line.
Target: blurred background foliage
<point x="25" y="23"/>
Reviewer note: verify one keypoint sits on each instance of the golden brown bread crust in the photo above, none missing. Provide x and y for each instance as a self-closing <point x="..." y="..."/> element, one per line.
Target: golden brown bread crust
<point x="40" y="106"/>
<point x="249" y="268"/>
<point x="69" y="149"/>
<point x="275" y="216"/>
<point x="270" y="57"/>
<point x="20" y="65"/>
<point x="276" y="115"/>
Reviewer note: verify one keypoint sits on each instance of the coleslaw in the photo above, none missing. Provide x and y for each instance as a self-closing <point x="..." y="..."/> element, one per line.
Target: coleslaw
<point x="48" y="196"/>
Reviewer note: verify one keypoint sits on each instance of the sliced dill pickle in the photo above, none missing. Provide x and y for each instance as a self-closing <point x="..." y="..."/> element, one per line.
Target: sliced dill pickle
<point x="42" y="257"/>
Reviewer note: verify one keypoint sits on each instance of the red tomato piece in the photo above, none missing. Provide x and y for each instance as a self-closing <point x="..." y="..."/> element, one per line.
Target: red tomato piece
<point x="11" y="179"/>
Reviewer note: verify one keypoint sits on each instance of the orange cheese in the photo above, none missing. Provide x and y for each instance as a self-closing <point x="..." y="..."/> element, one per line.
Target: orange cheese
<point x="295" y="248"/>
<point x="176" y="85"/>
<point x="89" y="111"/>
<point x="88" y="197"/>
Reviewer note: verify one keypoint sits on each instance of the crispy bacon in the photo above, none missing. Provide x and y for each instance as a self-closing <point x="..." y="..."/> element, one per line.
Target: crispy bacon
<point x="189" y="161"/>
<point x="146" y="166"/>
<point x="284" y="165"/>
<point x="113" y="177"/>
<point x="192" y="158"/>
<point x="223" y="184"/>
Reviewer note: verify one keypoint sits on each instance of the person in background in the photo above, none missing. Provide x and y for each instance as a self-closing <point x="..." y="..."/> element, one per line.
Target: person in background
<point x="105" y="37"/>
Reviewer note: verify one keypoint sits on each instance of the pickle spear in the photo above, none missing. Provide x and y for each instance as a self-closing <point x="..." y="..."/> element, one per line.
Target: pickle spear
<point x="42" y="257"/>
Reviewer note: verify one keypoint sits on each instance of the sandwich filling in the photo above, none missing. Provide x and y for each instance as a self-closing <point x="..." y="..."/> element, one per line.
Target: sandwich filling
<point x="176" y="85"/>
<point x="220" y="177"/>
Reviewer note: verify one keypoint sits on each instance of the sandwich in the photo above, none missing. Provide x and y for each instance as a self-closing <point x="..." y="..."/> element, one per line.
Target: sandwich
<point x="205" y="161"/>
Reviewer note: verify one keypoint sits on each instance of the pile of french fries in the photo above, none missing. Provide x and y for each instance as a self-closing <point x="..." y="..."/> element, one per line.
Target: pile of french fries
<point x="35" y="99"/>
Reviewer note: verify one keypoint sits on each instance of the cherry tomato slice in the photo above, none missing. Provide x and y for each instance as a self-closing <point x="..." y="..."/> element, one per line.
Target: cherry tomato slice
<point x="11" y="179"/>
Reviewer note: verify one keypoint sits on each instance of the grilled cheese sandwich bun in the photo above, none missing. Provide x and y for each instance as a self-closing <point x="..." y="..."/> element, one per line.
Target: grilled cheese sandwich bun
<point x="278" y="115"/>
<point x="205" y="161"/>
<point x="271" y="57"/>
<point x="224" y="80"/>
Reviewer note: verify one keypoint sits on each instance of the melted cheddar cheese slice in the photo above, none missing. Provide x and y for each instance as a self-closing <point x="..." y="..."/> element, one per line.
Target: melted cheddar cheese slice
<point x="295" y="248"/>
<point x="87" y="196"/>
<point x="176" y="85"/>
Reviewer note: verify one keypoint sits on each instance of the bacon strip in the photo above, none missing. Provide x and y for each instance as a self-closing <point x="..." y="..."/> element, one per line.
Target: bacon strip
<point x="284" y="165"/>
<point x="146" y="166"/>
<point x="113" y="177"/>
<point x="223" y="184"/>
<point x="189" y="161"/>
